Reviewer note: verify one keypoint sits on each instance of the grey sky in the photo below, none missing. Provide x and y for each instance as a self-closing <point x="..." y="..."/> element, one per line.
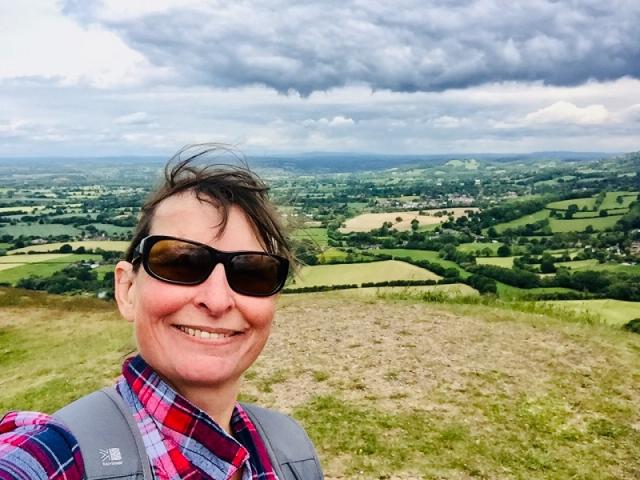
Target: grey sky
<point x="274" y="76"/>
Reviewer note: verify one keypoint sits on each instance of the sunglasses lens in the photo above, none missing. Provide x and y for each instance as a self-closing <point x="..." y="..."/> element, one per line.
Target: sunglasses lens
<point x="255" y="274"/>
<point x="180" y="262"/>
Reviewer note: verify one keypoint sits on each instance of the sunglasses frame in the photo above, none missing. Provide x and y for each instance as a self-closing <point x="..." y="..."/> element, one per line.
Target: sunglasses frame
<point x="142" y="250"/>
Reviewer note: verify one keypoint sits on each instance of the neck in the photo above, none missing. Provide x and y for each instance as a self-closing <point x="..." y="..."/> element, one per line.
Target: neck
<point x="217" y="402"/>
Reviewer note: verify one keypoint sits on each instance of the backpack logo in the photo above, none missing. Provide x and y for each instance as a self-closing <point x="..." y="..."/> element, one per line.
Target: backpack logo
<point x="110" y="456"/>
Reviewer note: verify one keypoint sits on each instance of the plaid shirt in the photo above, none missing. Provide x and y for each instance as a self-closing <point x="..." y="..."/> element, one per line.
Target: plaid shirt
<point x="182" y="441"/>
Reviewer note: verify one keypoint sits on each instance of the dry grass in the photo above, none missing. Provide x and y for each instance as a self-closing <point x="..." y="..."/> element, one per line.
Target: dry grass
<point x="492" y="393"/>
<point x="369" y="221"/>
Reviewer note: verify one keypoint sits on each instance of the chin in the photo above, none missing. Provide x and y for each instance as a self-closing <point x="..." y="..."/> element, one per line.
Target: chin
<point x="213" y="375"/>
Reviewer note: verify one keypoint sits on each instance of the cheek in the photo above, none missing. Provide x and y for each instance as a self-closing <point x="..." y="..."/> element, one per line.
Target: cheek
<point x="154" y="302"/>
<point x="259" y="312"/>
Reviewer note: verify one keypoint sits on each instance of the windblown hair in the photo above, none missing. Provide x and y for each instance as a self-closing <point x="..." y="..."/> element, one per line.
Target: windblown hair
<point x="223" y="186"/>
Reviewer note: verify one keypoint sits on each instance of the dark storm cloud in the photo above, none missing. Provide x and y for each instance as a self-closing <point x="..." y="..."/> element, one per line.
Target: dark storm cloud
<point x="410" y="45"/>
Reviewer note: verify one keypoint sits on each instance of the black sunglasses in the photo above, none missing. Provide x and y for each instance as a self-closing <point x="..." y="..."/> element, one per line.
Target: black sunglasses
<point x="185" y="262"/>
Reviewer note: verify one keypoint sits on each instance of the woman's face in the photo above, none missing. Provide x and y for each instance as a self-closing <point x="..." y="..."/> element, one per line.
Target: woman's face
<point x="170" y="319"/>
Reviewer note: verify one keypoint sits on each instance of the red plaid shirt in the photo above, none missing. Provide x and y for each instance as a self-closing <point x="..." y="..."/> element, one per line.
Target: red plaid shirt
<point x="181" y="440"/>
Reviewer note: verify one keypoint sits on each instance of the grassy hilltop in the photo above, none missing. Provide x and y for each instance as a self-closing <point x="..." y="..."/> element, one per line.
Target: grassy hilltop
<point x="386" y="387"/>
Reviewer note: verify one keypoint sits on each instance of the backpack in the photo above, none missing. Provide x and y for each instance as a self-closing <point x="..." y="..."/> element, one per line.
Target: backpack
<point x="112" y="447"/>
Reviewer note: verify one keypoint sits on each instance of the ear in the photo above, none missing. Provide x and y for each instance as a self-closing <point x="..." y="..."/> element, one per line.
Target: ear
<point x="124" y="289"/>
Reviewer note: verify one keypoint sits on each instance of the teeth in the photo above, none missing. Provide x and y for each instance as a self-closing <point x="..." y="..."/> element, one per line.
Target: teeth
<point x="194" y="332"/>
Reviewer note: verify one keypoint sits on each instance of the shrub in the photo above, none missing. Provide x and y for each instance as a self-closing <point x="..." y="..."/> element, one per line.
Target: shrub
<point x="632" y="325"/>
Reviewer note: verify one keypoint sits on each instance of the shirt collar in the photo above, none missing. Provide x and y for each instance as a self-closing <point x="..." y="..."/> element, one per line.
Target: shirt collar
<point x="196" y="433"/>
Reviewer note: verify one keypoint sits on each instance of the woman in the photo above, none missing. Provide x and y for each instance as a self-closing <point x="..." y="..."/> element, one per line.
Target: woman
<point x="199" y="284"/>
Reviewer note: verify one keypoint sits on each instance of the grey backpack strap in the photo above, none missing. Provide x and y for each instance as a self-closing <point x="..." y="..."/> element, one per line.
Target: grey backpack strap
<point x="109" y="439"/>
<point x="288" y="445"/>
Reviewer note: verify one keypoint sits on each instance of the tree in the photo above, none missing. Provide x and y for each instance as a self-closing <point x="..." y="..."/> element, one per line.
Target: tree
<point x="547" y="265"/>
<point x="570" y="211"/>
<point x="66" y="248"/>
<point x="504" y="251"/>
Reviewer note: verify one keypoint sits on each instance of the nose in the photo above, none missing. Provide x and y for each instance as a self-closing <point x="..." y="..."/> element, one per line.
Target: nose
<point x="214" y="294"/>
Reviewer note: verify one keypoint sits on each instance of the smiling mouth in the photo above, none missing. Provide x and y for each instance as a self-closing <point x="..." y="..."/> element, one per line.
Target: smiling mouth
<point x="197" y="333"/>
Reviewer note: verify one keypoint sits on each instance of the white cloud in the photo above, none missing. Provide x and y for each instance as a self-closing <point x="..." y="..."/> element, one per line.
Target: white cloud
<point x="336" y="122"/>
<point x="340" y="121"/>
<point x="39" y="41"/>
<point x="567" y="113"/>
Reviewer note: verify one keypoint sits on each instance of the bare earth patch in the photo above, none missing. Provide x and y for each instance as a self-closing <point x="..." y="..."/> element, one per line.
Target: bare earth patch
<point x="405" y="357"/>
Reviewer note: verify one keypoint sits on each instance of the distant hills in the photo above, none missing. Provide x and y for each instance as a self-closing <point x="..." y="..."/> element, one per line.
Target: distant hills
<point x="310" y="162"/>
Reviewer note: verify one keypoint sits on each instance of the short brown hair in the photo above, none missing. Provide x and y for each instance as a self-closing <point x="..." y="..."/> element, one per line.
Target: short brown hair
<point x="223" y="185"/>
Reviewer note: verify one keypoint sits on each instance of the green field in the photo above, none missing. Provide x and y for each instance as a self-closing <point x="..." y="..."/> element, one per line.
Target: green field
<point x="617" y="211"/>
<point x="613" y="312"/>
<point x="522" y="221"/>
<point x="357" y="273"/>
<point x="107" y="245"/>
<point x="588" y="202"/>
<point x="317" y="235"/>
<point x="39" y="230"/>
<point x="613" y="211"/>
<point x="32" y="258"/>
<point x="357" y="206"/>
<point x="473" y="247"/>
<point x="579" y="264"/>
<point x="610" y="202"/>
<point x="103" y="269"/>
<point x="610" y="267"/>
<point x="39" y="265"/>
<point x="429" y="255"/>
<point x="332" y="254"/>
<point x="586" y="215"/>
<point x="579" y="224"/>
<point x="112" y="229"/>
<point x="507" y="292"/>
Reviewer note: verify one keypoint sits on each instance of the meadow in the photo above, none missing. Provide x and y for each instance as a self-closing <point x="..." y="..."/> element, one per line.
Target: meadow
<point x="613" y="267"/>
<point x="316" y="235"/>
<point x="580" y="224"/>
<point x="589" y="203"/>
<point x="613" y="312"/>
<point x="39" y="230"/>
<point x="431" y="256"/>
<point x="522" y="221"/>
<point x="610" y="200"/>
<point x="15" y="267"/>
<point x="386" y="388"/>
<point x="107" y="245"/>
<point x="474" y="247"/>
